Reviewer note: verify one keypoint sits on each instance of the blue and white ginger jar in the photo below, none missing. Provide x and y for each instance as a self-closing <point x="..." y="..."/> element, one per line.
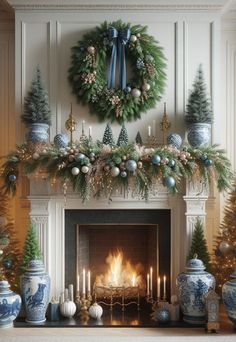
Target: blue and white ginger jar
<point x="35" y="289"/>
<point x="193" y="285"/>
<point x="199" y="134"/>
<point x="229" y="297"/>
<point x="10" y="304"/>
<point x="38" y="132"/>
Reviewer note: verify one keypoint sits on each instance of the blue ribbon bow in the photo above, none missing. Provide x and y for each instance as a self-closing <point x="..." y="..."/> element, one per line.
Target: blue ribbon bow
<point x="119" y="39"/>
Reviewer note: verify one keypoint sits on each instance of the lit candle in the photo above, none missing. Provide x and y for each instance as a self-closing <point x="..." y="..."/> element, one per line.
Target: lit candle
<point x="158" y="287"/>
<point x="90" y="131"/>
<point x="83" y="290"/>
<point x="149" y="131"/>
<point x="151" y="280"/>
<point x="133" y="280"/>
<point x="148" y="285"/>
<point x="77" y="284"/>
<point x="89" y="289"/>
<point x="164" y="287"/>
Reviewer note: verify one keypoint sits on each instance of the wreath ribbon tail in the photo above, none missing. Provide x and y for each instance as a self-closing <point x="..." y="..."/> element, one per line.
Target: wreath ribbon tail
<point x="113" y="34"/>
<point x="124" y="38"/>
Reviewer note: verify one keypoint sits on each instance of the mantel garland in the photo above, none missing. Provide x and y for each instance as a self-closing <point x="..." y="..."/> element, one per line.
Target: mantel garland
<point x="94" y="169"/>
<point x="117" y="41"/>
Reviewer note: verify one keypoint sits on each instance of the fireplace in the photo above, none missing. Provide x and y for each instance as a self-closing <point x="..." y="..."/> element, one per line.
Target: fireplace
<point x="135" y="242"/>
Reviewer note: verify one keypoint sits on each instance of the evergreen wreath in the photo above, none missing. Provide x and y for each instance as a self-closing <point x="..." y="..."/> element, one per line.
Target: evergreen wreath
<point x="89" y="60"/>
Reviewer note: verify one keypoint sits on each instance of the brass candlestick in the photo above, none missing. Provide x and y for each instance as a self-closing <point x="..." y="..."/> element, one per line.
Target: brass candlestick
<point x="165" y="124"/>
<point x="85" y="304"/>
<point x="70" y="124"/>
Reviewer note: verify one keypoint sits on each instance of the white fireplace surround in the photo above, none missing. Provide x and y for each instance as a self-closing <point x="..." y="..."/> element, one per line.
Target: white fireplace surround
<point x="48" y="206"/>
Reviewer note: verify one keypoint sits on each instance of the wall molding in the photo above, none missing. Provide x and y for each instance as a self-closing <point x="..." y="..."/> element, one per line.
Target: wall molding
<point x="168" y="5"/>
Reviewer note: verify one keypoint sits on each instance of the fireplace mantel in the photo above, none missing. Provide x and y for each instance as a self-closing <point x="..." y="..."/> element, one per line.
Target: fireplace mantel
<point x="48" y="205"/>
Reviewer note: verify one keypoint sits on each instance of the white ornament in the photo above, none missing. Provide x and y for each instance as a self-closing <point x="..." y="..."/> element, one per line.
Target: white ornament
<point x="85" y="169"/>
<point x="91" y="50"/>
<point x="35" y="156"/>
<point x="146" y="86"/>
<point x="68" y="309"/>
<point x="115" y="171"/>
<point x="135" y="92"/>
<point x="75" y="171"/>
<point x="133" y="38"/>
<point x="95" y="311"/>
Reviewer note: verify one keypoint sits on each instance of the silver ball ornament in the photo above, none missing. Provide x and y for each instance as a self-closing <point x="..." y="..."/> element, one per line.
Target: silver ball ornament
<point x="174" y="139"/>
<point x="85" y="169"/>
<point x="131" y="165"/>
<point x="146" y="87"/>
<point x="115" y="171"/>
<point x="91" y="50"/>
<point x="75" y="171"/>
<point x="135" y="92"/>
<point x="35" y="156"/>
<point x="133" y="38"/>
<point x="224" y="247"/>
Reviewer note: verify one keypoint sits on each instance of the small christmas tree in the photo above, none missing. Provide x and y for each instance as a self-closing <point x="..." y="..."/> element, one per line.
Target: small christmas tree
<point x="108" y="136"/>
<point x="36" y="106"/>
<point x="9" y="246"/>
<point x="138" y="139"/>
<point x="224" y="258"/>
<point x="123" y="136"/>
<point x="199" y="245"/>
<point x="199" y="108"/>
<point x="31" y="248"/>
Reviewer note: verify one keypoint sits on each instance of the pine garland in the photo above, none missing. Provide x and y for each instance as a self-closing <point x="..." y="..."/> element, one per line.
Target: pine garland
<point x="94" y="169"/>
<point x="89" y="67"/>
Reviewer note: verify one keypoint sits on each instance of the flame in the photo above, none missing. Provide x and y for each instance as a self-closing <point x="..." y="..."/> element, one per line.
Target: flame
<point x="121" y="272"/>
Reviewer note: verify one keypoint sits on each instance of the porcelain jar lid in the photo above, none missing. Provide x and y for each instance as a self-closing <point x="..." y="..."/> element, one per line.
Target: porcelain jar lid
<point x="195" y="264"/>
<point x="4" y="286"/>
<point x="35" y="265"/>
<point x="233" y="275"/>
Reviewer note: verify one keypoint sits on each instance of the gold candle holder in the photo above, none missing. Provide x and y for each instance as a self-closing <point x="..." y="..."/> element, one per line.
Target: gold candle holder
<point x="85" y="303"/>
<point x="165" y="124"/>
<point x="71" y="124"/>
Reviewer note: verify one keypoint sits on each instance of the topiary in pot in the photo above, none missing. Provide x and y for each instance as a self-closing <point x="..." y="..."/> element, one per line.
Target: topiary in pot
<point x="199" y="115"/>
<point x="37" y="114"/>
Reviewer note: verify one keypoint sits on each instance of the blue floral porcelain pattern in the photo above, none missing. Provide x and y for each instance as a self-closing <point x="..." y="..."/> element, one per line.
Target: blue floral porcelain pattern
<point x="229" y="297"/>
<point x="35" y="286"/>
<point x="199" y="134"/>
<point x="10" y="304"/>
<point x="192" y="286"/>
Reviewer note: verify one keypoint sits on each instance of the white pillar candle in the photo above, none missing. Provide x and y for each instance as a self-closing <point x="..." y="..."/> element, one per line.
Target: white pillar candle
<point x="66" y="294"/>
<point x="148" y="285"/>
<point x="149" y="131"/>
<point x="158" y="287"/>
<point x="89" y="286"/>
<point x="154" y="128"/>
<point x="77" y="287"/>
<point x="71" y="292"/>
<point x="90" y="131"/>
<point x="83" y="122"/>
<point x="164" y="286"/>
<point x="151" y="271"/>
<point x="83" y="288"/>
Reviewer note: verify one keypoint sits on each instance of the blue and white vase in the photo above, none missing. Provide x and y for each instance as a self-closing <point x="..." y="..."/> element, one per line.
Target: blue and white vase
<point x="38" y="132"/>
<point x="193" y="285"/>
<point x="35" y="289"/>
<point x="199" y="134"/>
<point x="10" y="304"/>
<point x="229" y="297"/>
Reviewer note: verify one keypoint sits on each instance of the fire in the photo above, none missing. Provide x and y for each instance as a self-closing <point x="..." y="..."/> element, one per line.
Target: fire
<point x="121" y="272"/>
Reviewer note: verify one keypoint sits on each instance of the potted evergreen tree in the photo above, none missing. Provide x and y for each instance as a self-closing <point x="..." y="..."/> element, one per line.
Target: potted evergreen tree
<point x="37" y="115"/>
<point x="199" y="115"/>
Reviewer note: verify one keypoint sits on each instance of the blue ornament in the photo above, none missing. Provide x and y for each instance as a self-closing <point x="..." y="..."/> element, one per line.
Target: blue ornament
<point x="79" y="157"/>
<point x="204" y="156"/>
<point x="7" y="263"/>
<point x="163" y="315"/>
<point x="169" y="181"/>
<point x="156" y="159"/>
<point x="131" y="165"/>
<point x="171" y="163"/>
<point x="174" y="139"/>
<point x="208" y="162"/>
<point x="128" y="89"/>
<point x="12" y="178"/>
<point x="123" y="174"/>
<point x="61" y="140"/>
